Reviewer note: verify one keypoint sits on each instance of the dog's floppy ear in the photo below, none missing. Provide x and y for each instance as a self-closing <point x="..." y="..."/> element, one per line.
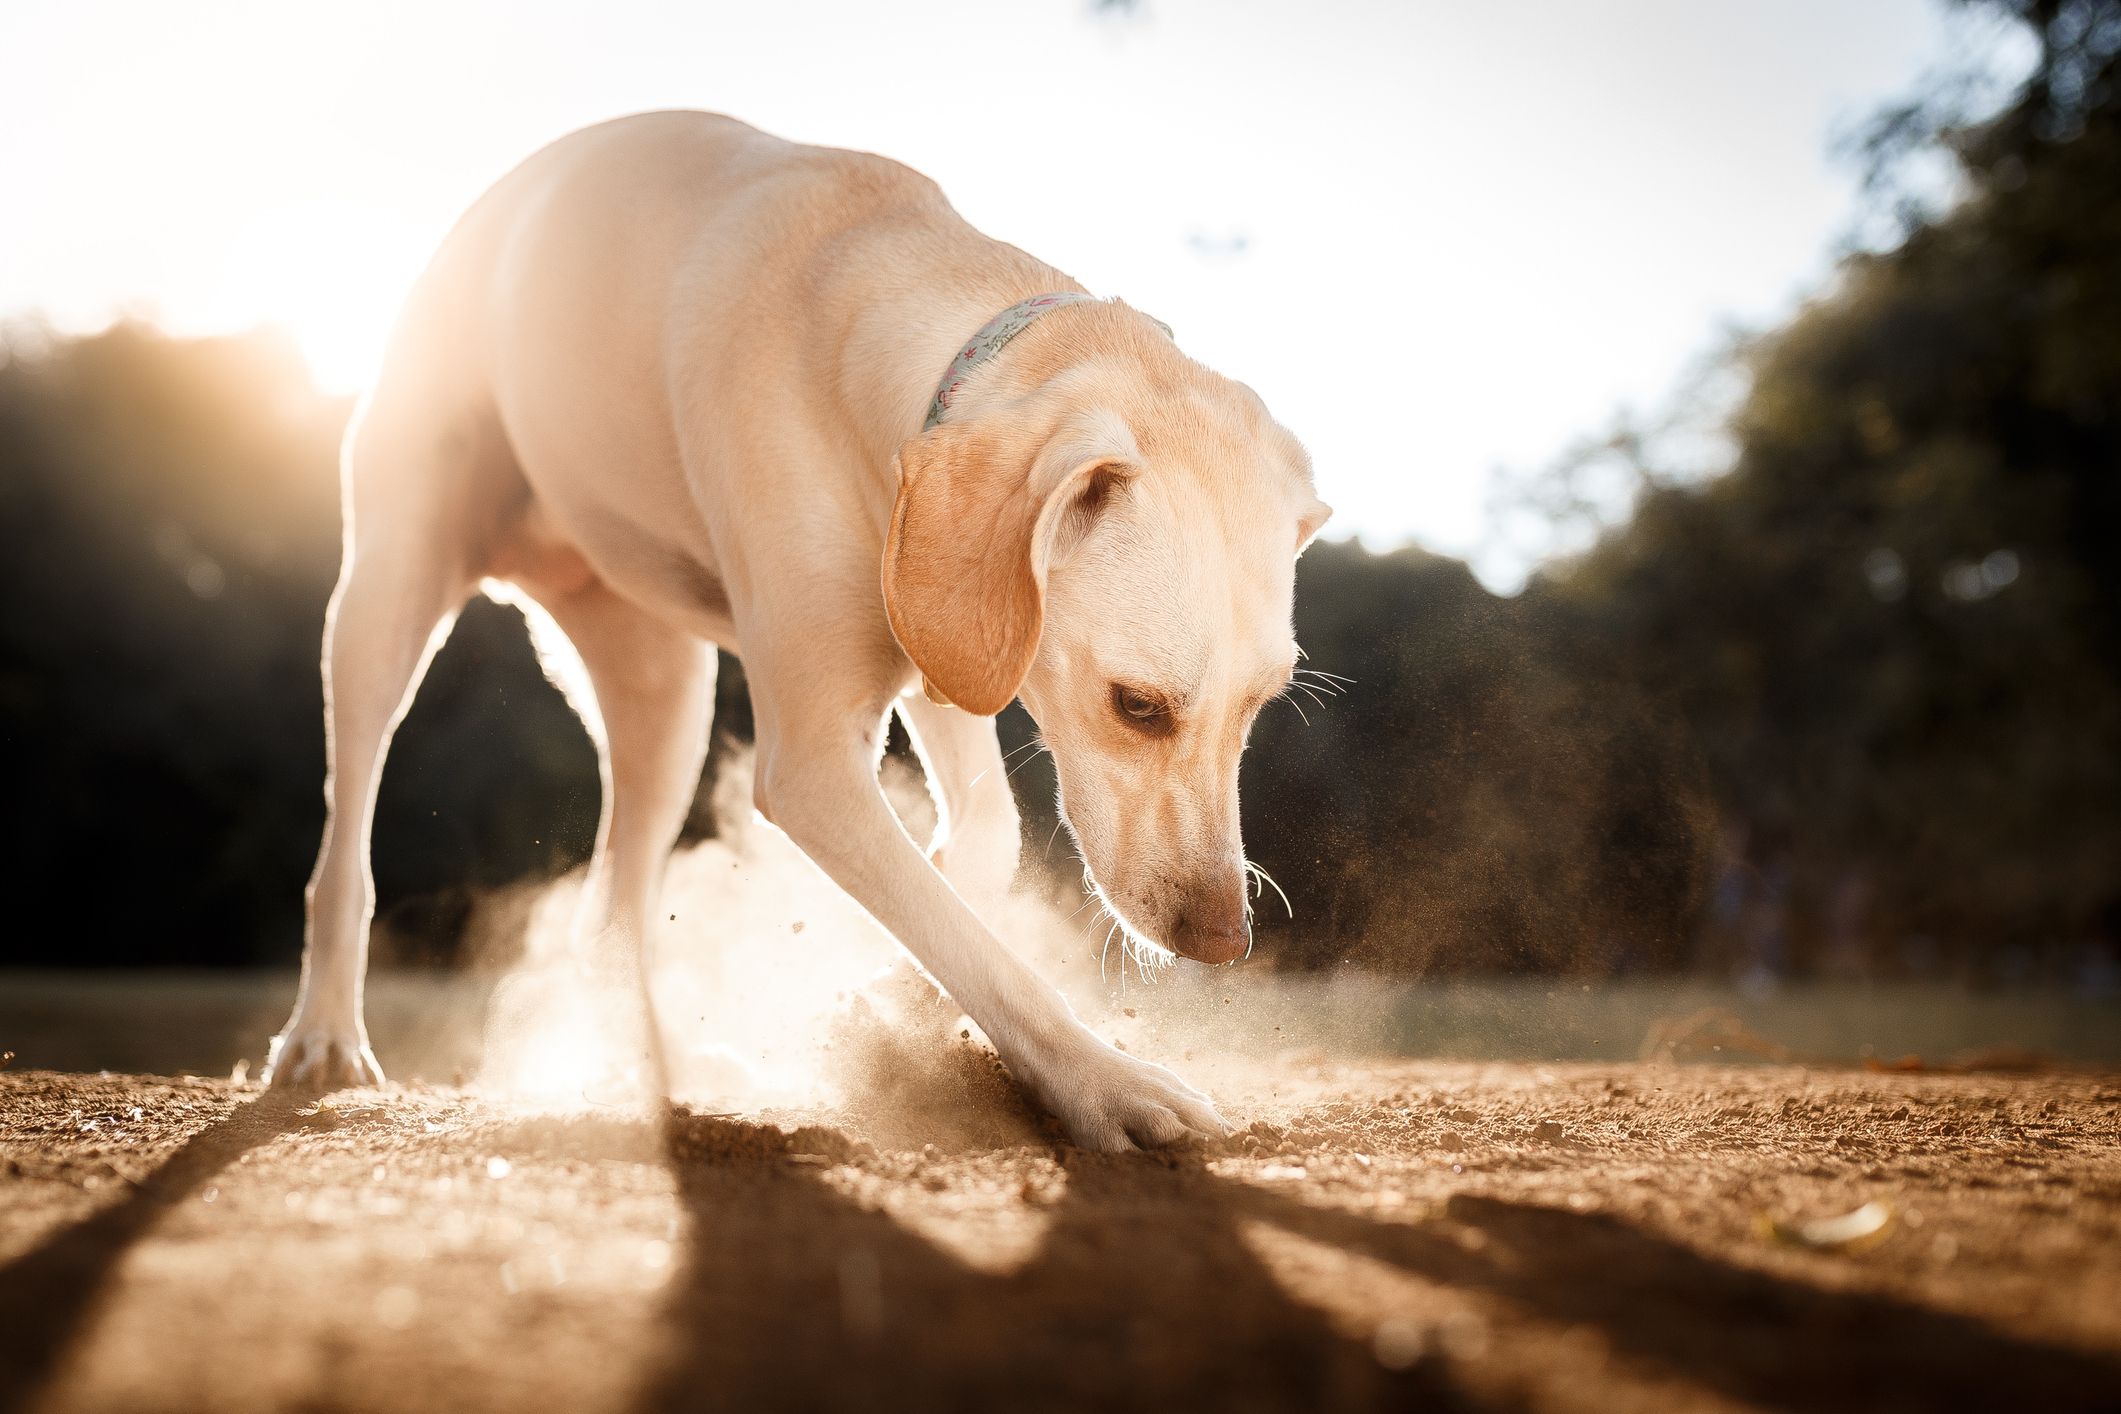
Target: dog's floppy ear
<point x="982" y="504"/>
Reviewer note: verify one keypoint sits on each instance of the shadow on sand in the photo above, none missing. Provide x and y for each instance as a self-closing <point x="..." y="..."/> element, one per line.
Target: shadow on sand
<point x="1145" y="1295"/>
<point x="1142" y="1294"/>
<point x="49" y="1294"/>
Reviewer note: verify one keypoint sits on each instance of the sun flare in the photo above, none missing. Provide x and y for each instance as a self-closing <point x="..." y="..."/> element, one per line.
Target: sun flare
<point x="332" y="275"/>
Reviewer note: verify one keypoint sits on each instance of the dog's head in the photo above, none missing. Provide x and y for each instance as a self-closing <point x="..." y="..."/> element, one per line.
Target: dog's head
<point x="1116" y="544"/>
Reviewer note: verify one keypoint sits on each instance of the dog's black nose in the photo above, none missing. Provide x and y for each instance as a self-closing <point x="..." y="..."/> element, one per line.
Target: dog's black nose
<point x="1211" y="925"/>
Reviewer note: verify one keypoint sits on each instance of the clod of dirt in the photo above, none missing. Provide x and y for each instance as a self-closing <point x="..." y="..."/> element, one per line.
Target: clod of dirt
<point x="1451" y="1143"/>
<point x="910" y="1076"/>
<point x="1547" y="1131"/>
<point x="321" y="1115"/>
<point x="714" y="1138"/>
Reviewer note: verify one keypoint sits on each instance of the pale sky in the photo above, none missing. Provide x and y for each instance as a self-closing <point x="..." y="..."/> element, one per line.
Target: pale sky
<point x="1436" y="237"/>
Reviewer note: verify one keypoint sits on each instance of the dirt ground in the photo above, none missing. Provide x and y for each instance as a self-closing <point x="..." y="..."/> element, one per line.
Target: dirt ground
<point x="1389" y="1235"/>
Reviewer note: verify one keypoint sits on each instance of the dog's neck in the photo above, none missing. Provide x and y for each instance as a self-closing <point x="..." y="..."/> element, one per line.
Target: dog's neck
<point x="899" y="349"/>
<point x="949" y="282"/>
<point x="919" y="340"/>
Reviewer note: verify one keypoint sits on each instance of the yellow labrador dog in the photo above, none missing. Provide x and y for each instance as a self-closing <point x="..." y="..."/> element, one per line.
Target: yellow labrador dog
<point x="685" y="384"/>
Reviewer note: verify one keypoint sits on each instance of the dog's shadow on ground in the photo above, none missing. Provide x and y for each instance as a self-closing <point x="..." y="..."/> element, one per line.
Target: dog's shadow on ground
<point x="49" y="1293"/>
<point x="1144" y="1293"/>
<point x="1141" y="1295"/>
<point x="1746" y="1334"/>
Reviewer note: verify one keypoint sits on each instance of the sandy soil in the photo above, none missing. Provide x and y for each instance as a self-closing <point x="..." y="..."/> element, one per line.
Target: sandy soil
<point x="1390" y="1235"/>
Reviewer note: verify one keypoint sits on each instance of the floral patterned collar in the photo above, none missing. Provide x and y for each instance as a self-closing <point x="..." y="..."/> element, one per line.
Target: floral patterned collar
<point x="989" y="340"/>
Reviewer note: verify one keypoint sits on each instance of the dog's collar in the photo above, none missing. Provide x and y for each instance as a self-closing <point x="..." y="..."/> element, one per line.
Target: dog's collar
<point x="989" y="340"/>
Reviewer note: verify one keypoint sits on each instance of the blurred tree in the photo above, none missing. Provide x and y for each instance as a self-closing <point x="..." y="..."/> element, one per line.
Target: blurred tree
<point x="169" y="511"/>
<point x="1892" y="625"/>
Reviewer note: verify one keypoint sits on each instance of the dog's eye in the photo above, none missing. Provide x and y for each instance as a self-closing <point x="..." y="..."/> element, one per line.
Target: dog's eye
<point x="1141" y="710"/>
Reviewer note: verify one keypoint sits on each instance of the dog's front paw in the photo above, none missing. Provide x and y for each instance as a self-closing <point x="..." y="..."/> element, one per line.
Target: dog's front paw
<point x="314" y="1059"/>
<point x="1111" y="1102"/>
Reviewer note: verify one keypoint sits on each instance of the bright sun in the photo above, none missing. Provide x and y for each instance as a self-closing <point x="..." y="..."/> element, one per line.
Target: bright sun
<point x="332" y="275"/>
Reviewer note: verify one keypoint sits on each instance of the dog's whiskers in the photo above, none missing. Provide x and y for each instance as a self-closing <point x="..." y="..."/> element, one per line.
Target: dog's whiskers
<point x="1263" y="877"/>
<point x="1037" y="742"/>
<point x="1310" y="691"/>
<point x="1106" y="951"/>
<point x="1104" y="916"/>
<point x="1080" y="907"/>
<point x="1331" y="684"/>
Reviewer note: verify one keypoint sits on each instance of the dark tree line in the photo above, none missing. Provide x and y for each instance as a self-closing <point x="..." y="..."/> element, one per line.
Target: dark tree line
<point x="1894" y="626"/>
<point x="1852" y="703"/>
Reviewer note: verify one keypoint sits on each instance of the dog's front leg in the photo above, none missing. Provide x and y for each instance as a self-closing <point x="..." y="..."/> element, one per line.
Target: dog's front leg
<point x="817" y="781"/>
<point x="978" y="837"/>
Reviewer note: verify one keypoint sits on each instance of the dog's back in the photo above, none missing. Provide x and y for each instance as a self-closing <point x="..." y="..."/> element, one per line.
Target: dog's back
<point x="612" y="327"/>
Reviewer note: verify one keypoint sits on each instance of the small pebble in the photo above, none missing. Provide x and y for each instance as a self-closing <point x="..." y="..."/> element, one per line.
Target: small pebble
<point x="1451" y="1143"/>
<point x="1547" y="1131"/>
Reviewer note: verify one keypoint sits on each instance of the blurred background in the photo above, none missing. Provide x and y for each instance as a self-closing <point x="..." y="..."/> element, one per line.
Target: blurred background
<point x="1722" y="405"/>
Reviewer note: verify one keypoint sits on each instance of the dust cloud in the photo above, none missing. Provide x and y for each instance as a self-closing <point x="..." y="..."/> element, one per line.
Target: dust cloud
<point x="775" y="993"/>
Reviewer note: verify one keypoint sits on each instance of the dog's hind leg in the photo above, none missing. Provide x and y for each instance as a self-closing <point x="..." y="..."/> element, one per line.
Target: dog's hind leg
<point x="407" y="569"/>
<point x="653" y="691"/>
